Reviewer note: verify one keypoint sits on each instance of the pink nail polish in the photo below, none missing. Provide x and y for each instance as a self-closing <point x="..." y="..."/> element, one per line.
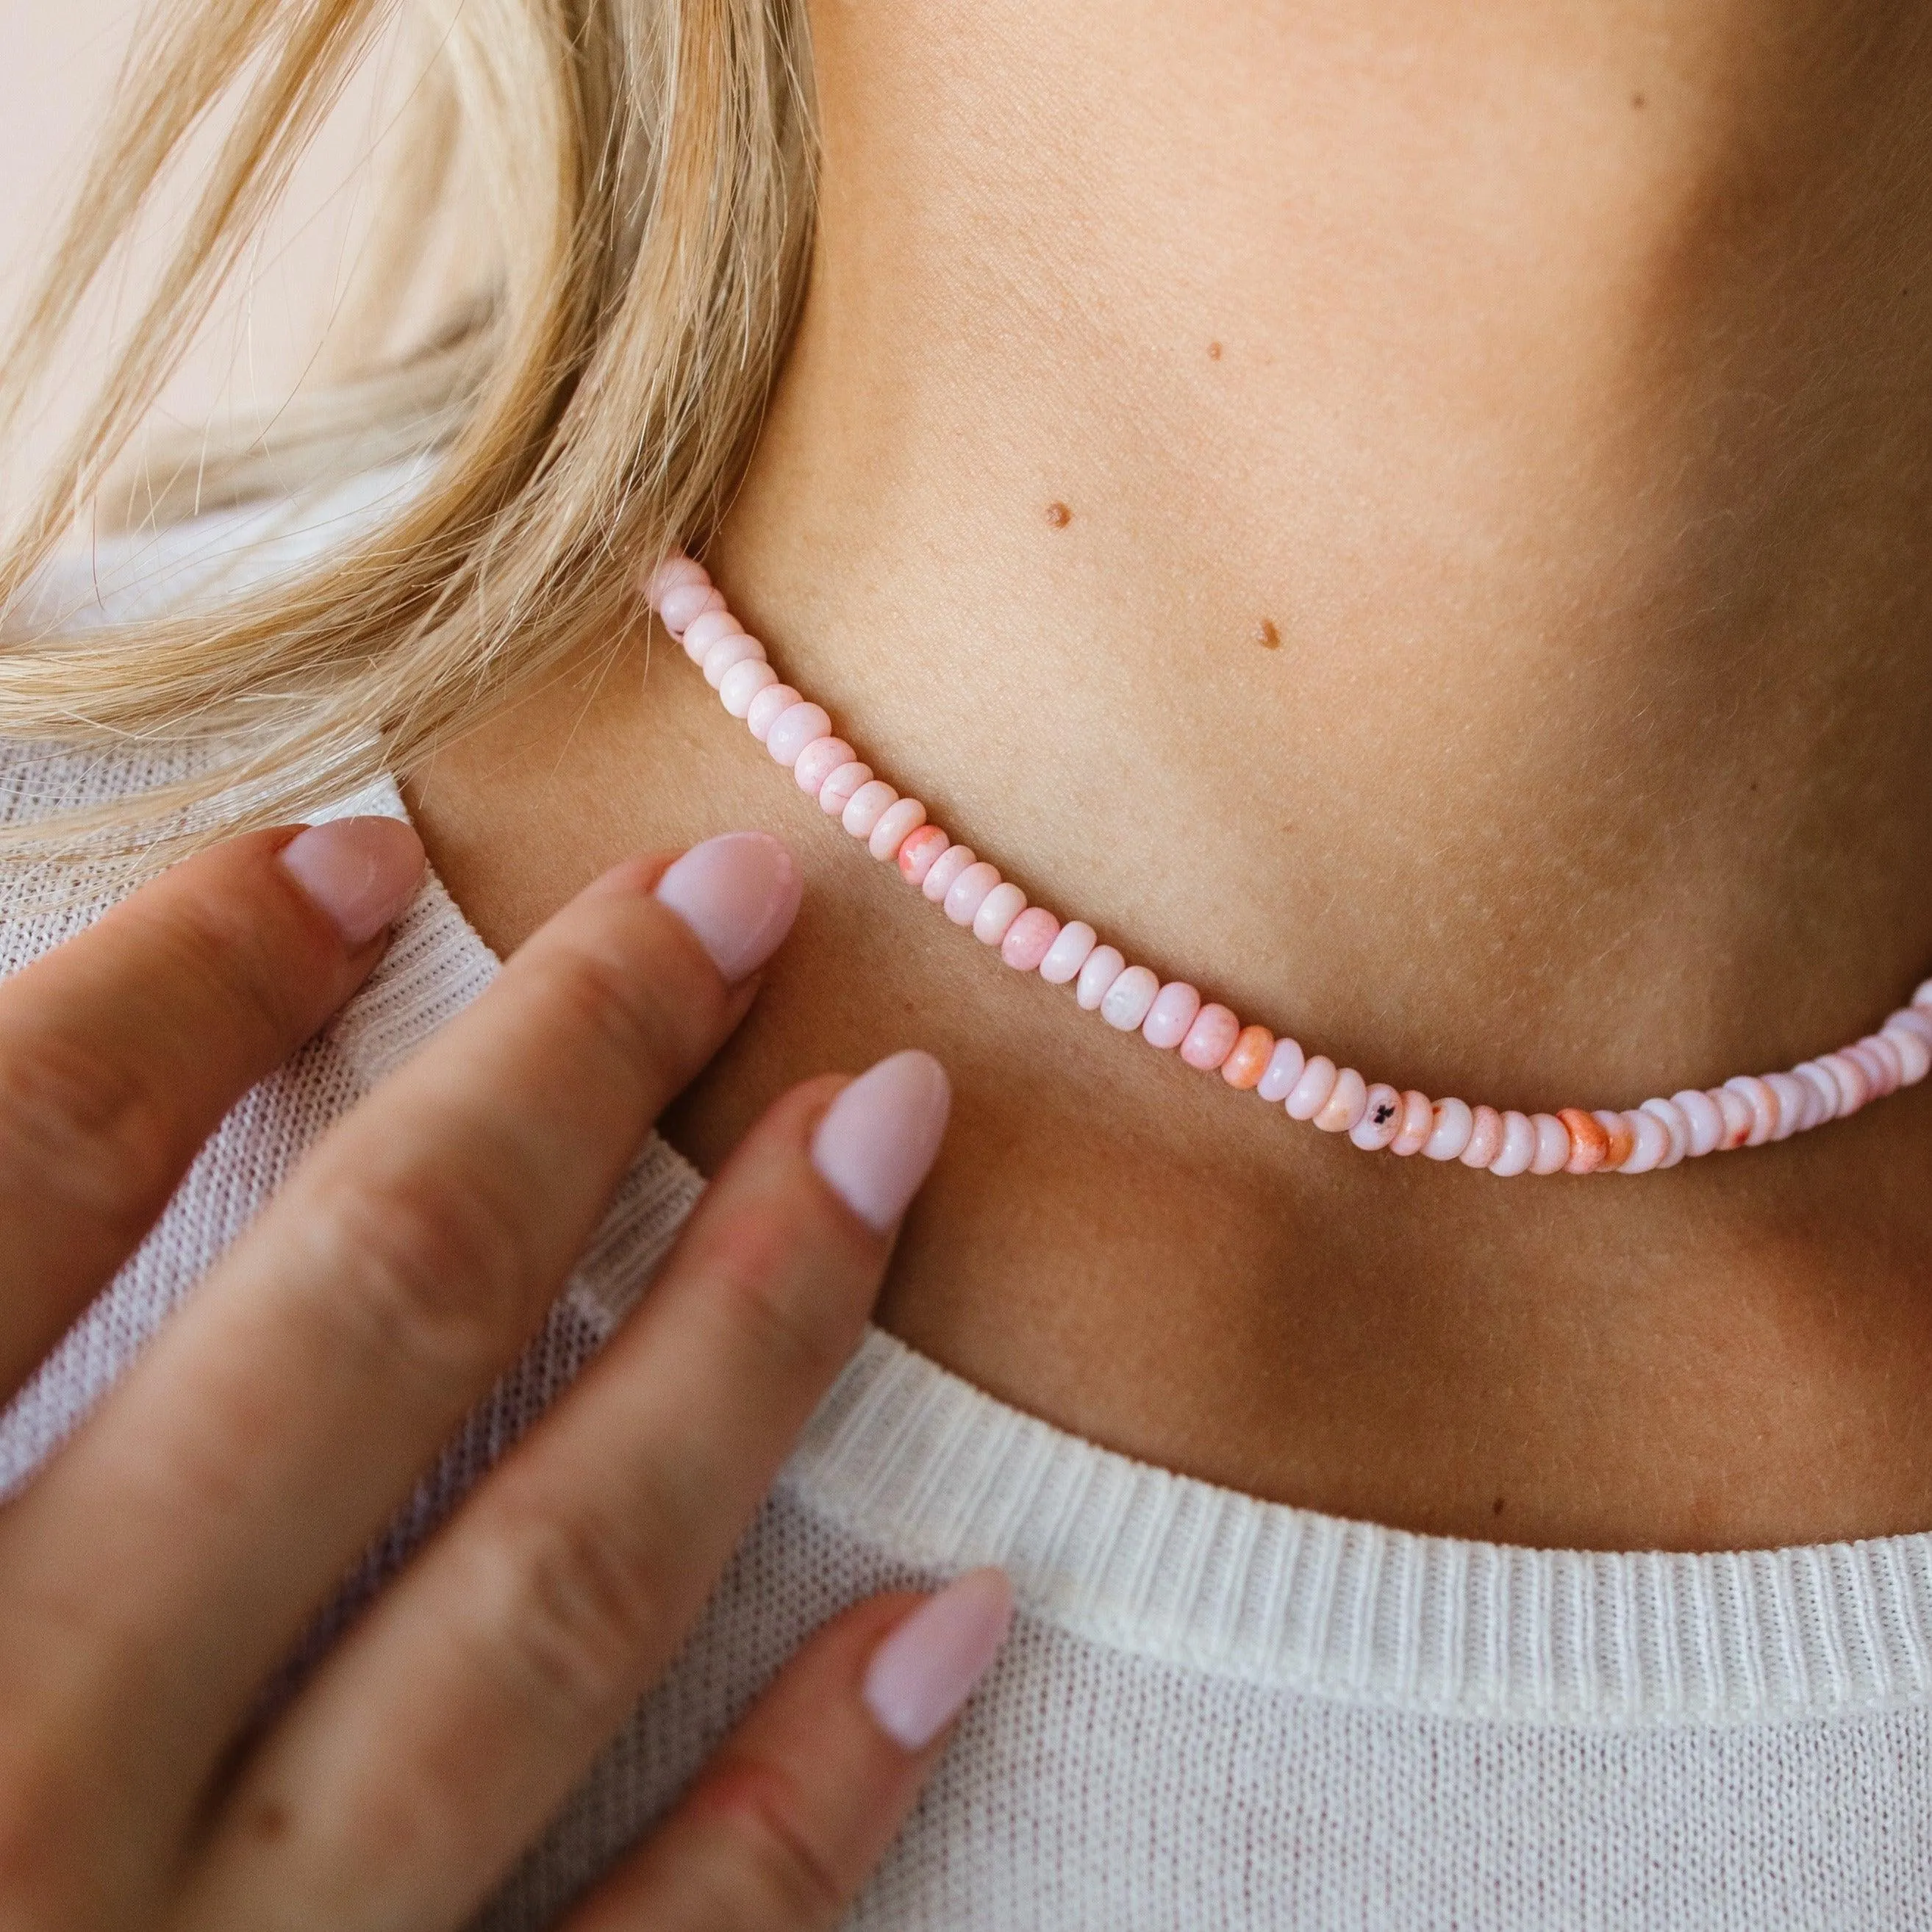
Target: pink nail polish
<point x="878" y="1139"/>
<point x="922" y="1674"/>
<point x="361" y="874"/>
<point x="739" y="894"/>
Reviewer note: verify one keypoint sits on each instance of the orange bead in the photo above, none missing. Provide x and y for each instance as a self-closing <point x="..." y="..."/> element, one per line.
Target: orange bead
<point x="1589" y="1142"/>
<point x="1620" y="1136"/>
<point x="1248" y="1059"/>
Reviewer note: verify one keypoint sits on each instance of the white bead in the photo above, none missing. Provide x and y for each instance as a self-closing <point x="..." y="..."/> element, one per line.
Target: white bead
<point x="1519" y="1147"/>
<point x="742" y="682"/>
<point x="1127" y="999"/>
<point x="997" y="911"/>
<point x="1650" y="1142"/>
<point x="1675" y="1125"/>
<point x="1102" y="967"/>
<point x="1553" y="1145"/>
<point x="1794" y="1098"/>
<point x="1703" y="1117"/>
<point x="1068" y="953"/>
<point x="1381" y="1121"/>
<point x="1450" y="1134"/>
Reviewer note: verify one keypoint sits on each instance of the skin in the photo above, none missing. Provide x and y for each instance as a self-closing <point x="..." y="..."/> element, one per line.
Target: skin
<point x="1557" y="383"/>
<point x="155" y="1571"/>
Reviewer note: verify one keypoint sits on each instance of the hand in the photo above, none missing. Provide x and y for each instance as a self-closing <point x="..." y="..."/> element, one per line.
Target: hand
<point x="153" y="1574"/>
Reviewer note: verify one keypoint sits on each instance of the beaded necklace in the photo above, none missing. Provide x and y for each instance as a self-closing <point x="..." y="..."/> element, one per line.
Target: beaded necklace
<point x="1744" y="1111"/>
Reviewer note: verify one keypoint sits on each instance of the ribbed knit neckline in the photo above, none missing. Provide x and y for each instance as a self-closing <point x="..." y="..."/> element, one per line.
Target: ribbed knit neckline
<point x="912" y="1460"/>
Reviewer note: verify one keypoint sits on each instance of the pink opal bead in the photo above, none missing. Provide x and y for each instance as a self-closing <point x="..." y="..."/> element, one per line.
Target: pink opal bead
<point x="818" y="761"/>
<point x="897" y="823"/>
<point x="1792" y="1098"/>
<point x="675" y="569"/>
<point x="1878" y="1083"/>
<point x="1890" y="1065"/>
<point x="1762" y="1102"/>
<point x="1914" y="1054"/>
<point x="1417" y="1123"/>
<point x="1283" y="1070"/>
<point x="1486" y="1137"/>
<point x="1551" y="1154"/>
<point x="1589" y="1141"/>
<point x="966" y="893"/>
<point x="1650" y="1142"/>
<point x="768" y="707"/>
<point x="742" y="682"/>
<point x="1174" y="1009"/>
<point x="684" y="602"/>
<point x="1347" y="1101"/>
<point x="1073" y="947"/>
<point x="792" y="729"/>
<point x="1249" y="1058"/>
<point x="1105" y="964"/>
<point x="1030" y="939"/>
<point x="1923" y="997"/>
<point x="711" y="627"/>
<point x="1130" y="998"/>
<point x="1821" y="1099"/>
<point x="945" y="869"/>
<point x="997" y="911"/>
<point x="920" y="853"/>
<point x="1619" y="1137"/>
<point x="866" y="807"/>
<point x="1739" y="1118"/>
<point x="1518" y="1149"/>
<point x="1706" y="1124"/>
<point x="1676" y="1128"/>
<point x="842" y="786"/>
<point x="1911" y="1019"/>
<point x="1210" y="1039"/>
<point x="1381" y="1120"/>
<point x="1309" y="1094"/>
<point x="1450" y="1125"/>
<point x="722" y="659"/>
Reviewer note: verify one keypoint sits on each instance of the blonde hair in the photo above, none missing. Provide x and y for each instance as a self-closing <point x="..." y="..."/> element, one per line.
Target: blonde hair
<point x="642" y="172"/>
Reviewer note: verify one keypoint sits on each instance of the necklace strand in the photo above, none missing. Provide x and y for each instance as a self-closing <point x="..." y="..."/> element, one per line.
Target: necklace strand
<point x="1745" y="1112"/>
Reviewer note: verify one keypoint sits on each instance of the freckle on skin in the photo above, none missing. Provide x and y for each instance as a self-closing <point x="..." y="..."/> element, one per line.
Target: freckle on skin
<point x="1637" y="100"/>
<point x="1267" y="636"/>
<point x="1059" y="515"/>
<point x="1214" y="352"/>
<point x="1497" y="1510"/>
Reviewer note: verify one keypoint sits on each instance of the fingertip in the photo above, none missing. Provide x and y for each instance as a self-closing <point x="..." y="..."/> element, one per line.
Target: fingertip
<point x="879" y="1138"/>
<point x="922" y="1674"/>
<point x="360" y="873"/>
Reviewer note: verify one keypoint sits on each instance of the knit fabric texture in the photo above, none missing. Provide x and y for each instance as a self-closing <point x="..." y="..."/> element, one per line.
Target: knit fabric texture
<point x="1214" y="1712"/>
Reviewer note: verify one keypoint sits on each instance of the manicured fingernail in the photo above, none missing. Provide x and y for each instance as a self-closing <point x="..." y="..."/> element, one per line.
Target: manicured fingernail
<point x="360" y="873"/>
<point x="879" y="1137"/>
<point x="927" y="1668"/>
<point x="740" y="894"/>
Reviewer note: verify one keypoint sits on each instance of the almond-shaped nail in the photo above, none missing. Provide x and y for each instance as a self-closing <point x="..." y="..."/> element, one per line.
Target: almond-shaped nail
<point x="879" y="1138"/>
<point x="361" y="874"/>
<point x="922" y="1674"/>
<point x="739" y="894"/>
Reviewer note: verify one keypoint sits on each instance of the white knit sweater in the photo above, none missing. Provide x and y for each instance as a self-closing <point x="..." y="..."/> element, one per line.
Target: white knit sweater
<point x="1215" y="1712"/>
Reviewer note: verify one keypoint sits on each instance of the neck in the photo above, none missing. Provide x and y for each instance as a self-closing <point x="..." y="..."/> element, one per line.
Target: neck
<point x="1478" y="634"/>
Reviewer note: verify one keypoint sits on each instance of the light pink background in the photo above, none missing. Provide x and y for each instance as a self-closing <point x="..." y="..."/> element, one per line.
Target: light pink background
<point x="58" y="59"/>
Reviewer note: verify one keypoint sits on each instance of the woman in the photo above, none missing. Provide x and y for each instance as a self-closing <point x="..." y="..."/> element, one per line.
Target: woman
<point x="1408" y="523"/>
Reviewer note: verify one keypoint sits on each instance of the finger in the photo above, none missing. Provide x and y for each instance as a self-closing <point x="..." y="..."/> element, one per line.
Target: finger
<point x="787" y="1822"/>
<point x="457" y="1718"/>
<point x="120" y="1050"/>
<point x="183" y="1538"/>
